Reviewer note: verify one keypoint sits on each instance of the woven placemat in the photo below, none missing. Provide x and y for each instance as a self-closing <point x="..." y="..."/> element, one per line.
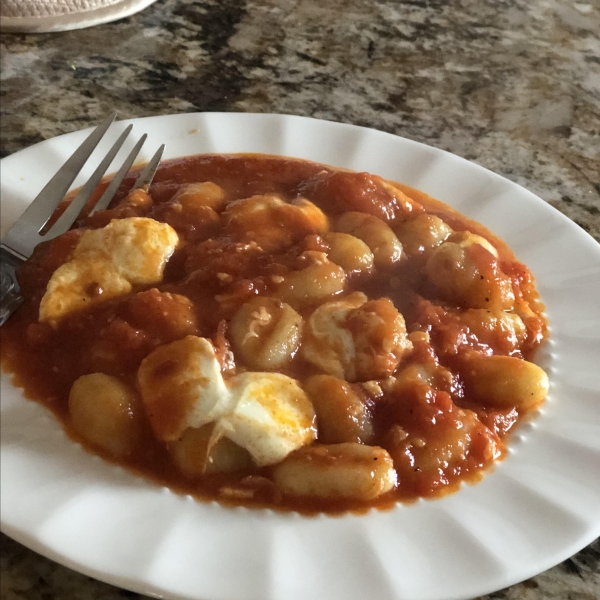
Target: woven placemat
<point x="61" y="15"/>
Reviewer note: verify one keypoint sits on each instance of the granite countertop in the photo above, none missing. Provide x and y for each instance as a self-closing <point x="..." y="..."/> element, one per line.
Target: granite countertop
<point x="513" y="85"/>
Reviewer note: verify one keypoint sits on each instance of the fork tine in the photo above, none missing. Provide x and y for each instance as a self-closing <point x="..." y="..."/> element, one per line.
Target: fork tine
<point x="72" y="212"/>
<point x="147" y="175"/>
<point x="40" y="210"/>
<point x="112" y="188"/>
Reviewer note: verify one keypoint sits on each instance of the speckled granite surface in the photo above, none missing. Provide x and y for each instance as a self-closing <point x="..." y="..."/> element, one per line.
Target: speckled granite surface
<point x="513" y="85"/>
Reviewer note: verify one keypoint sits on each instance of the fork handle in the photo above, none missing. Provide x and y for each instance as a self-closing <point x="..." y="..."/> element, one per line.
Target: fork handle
<point x="10" y="293"/>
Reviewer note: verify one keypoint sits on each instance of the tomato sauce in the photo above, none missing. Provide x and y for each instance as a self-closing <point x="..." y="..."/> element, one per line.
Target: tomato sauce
<point x="113" y="337"/>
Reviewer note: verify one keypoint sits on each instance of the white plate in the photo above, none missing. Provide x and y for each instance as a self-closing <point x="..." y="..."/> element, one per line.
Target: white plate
<point x="540" y="506"/>
<point x="31" y="16"/>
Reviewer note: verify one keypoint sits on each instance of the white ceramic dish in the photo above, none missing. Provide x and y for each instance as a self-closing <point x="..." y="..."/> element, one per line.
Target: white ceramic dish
<point x="33" y="16"/>
<point x="540" y="506"/>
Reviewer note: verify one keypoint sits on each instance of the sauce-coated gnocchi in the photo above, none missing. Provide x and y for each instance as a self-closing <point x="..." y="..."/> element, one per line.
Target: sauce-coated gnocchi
<point x="307" y="339"/>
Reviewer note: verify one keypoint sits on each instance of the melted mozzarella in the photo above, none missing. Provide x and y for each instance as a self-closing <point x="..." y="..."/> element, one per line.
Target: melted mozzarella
<point x="106" y="262"/>
<point x="80" y="283"/>
<point x="465" y="239"/>
<point x="181" y="384"/>
<point x="272" y="416"/>
<point x="273" y="223"/>
<point x="329" y="344"/>
<point x="355" y="339"/>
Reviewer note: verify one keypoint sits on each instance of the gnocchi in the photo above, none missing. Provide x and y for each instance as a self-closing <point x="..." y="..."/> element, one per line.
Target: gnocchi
<point x="313" y="284"/>
<point x="349" y="252"/>
<point x="422" y="232"/>
<point x="376" y="234"/>
<point x="273" y="223"/>
<point x="468" y="278"/>
<point x="351" y="471"/>
<point x="356" y="339"/>
<point x="504" y="381"/>
<point x="195" y="195"/>
<point x="107" y="412"/>
<point x="268" y="332"/>
<point x="205" y="450"/>
<point x="342" y="415"/>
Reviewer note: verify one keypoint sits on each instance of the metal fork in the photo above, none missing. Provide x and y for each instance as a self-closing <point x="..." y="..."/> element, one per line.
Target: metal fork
<point x="25" y="234"/>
